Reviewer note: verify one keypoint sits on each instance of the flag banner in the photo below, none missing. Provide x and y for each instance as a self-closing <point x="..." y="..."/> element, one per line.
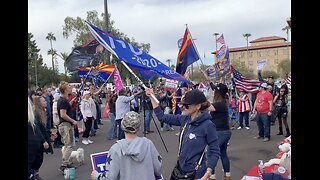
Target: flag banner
<point x="221" y="39"/>
<point x="213" y="71"/>
<point x="85" y="55"/>
<point x="261" y="63"/>
<point x="188" y="53"/>
<point x="146" y="74"/>
<point x="131" y="55"/>
<point x="171" y="84"/>
<point x="243" y="83"/>
<point x="220" y="68"/>
<point x="221" y="51"/>
<point x="180" y="42"/>
<point x="117" y="80"/>
<point x="101" y="71"/>
<point x="288" y="80"/>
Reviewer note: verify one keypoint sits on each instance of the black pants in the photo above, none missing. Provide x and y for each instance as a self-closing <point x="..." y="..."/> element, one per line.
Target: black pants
<point x="36" y="164"/>
<point x="88" y="125"/>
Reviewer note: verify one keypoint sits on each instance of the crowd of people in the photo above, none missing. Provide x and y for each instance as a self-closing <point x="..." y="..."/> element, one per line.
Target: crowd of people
<point x="54" y="116"/>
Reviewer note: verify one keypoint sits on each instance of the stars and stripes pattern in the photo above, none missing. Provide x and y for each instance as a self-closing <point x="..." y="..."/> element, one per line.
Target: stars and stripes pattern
<point x="221" y="39"/>
<point x="243" y="83"/>
<point x="288" y="80"/>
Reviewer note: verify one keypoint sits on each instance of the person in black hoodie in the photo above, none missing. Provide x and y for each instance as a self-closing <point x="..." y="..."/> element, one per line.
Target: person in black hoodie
<point x="35" y="141"/>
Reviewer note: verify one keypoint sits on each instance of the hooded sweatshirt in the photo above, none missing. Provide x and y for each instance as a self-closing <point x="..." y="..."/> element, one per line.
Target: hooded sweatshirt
<point x="198" y="134"/>
<point x="136" y="159"/>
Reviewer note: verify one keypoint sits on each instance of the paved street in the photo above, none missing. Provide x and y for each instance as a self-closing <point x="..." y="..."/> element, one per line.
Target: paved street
<point x="244" y="151"/>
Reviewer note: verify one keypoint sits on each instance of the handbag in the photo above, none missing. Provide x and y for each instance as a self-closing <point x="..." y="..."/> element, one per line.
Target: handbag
<point x="177" y="173"/>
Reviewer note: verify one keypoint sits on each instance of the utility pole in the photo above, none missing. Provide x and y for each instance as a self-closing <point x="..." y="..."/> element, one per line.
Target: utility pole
<point x="216" y="35"/>
<point x="247" y="35"/>
<point x="107" y="24"/>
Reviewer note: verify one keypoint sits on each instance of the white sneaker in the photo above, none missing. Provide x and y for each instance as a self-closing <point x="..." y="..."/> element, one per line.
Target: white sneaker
<point x="171" y="129"/>
<point x="247" y="127"/>
<point x="239" y="127"/>
<point x="89" y="141"/>
<point x="161" y="129"/>
<point x="85" y="142"/>
<point x="178" y="134"/>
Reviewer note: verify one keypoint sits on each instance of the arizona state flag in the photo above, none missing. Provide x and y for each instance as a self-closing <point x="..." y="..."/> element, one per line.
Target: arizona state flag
<point x="188" y="53"/>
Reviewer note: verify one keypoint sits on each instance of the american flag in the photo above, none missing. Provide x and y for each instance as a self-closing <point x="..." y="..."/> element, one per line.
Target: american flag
<point x="221" y="39"/>
<point x="288" y="80"/>
<point x="243" y="83"/>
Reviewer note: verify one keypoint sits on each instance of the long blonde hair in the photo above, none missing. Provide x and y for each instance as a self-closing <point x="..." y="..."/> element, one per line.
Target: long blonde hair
<point x="31" y="113"/>
<point x="39" y="109"/>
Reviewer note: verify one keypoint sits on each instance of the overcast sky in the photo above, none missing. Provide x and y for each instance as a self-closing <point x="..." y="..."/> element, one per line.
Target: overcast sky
<point x="162" y="22"/>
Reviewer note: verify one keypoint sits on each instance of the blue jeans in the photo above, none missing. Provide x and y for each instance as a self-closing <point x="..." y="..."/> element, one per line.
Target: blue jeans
<point x="120" y="132"/>
<point x="263" y="122"/>
<point x="98" y="118"/>
<point x="223" y="138"/>
<point x="112" y="130"/>
<point x="147" y="120"/>
<point x="245" y="116"/>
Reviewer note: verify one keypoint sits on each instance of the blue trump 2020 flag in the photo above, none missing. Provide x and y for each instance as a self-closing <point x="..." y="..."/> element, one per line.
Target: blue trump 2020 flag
<point x="188" y="53"/>
<point x="133" y="56"/>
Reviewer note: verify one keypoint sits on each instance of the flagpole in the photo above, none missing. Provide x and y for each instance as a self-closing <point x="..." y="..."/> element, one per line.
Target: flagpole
<point x="138" y="79"/>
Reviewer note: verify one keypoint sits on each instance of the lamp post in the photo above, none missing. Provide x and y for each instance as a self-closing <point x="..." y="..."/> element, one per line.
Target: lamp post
<point x="216" y="35"/>
<point x="107" y="24"/>
<point x="286" y="29"/>
<point x="247" y="35"/>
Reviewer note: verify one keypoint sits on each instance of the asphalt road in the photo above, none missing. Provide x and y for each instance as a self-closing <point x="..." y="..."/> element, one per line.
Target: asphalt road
<point x="244" y="151"/>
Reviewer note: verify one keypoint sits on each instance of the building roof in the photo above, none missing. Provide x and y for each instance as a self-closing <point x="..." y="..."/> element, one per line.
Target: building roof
<point x="269" y="38"/>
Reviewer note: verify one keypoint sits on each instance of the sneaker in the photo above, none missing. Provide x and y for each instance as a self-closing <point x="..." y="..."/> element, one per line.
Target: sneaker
<point x="100" y="123"/>
<point x="247" y="127"/>
<point x="85" y="142"/>
<point x="62" y="168"/>
<point x="265" y="139"/>
<point x="145" y="132"/>
<point x="89" y="141"/>
<point x="239" y="128"/>
<point x="258" y="137"/>
<point x="178" y="134"/>
<point x="161" y="129"/>
<point x="171" y="129"/>
<point x="150" y="131"/>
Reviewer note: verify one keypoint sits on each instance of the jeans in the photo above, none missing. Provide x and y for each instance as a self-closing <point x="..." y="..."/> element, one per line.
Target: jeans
<point x="98" y="118"/>
<point x="112" y="130"/>
<point x="245" y="116"/>
<point x="223" y="138"/>
<point x="263" y="122"/>
<point x="147" y="120"/>
<point x="120" y="132"/>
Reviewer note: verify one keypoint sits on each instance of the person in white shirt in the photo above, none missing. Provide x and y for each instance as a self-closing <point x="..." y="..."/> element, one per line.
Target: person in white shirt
<point x="89" y="113"/>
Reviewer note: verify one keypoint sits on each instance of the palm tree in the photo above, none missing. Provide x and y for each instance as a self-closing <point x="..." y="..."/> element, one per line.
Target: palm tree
<point x="247" y="35"/>
<point x="50" y="37"/>
<point x="64" y="57"/>
<point x="168" y="61"/>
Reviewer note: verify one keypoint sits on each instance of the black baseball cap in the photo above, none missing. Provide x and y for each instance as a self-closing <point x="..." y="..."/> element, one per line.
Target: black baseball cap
<point x="194" y="97"/>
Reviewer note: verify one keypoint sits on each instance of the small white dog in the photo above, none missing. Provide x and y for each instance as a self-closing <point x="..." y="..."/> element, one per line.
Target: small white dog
<point x="76" y="157"/>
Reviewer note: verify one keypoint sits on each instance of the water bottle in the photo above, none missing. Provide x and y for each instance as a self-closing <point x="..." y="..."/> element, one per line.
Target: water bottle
<point x="261" y="168"/>
<point x="71" y="173"/>
<point x="66" y="173"/>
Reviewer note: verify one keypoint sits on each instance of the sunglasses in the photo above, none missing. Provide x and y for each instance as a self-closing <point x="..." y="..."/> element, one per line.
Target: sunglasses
<point x="186" y="106"/>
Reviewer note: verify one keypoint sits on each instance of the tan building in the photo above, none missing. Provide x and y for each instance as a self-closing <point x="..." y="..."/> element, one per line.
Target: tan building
<point x="273" y="49"/>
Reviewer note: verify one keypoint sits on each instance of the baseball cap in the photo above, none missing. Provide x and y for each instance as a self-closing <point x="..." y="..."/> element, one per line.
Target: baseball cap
<point x="264" y="85"/>
<point x="131" y="122"/>
<point x="86" y="92"/>
<point x="194" y="97"/>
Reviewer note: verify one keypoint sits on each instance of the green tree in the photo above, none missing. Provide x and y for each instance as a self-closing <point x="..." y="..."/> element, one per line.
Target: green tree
<point x="50" y="37"/>
<point x="33" y="64"/>
<point x="266" y="74"/>
<point x="244" y="70"/>
<point x="284" y="67"/>
<point x="64" y="56"/>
